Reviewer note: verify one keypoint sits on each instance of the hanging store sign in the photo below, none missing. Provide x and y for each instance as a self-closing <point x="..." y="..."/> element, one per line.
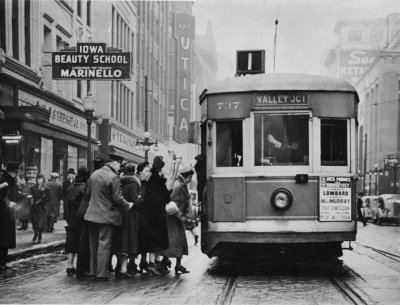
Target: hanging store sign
<point x="12" y="139"/>
<point x="353" y="63"/>
<point x="58" y="116"/>
<point x="91" y="61"/>
<point x="335" y="198"/>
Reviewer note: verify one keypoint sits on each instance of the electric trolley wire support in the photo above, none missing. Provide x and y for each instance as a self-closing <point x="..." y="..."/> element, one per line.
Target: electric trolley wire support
<point x="275" y="37"/>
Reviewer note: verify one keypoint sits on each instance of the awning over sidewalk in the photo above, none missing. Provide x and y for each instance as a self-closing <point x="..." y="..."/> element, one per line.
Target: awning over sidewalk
<point x="126" y="155"/>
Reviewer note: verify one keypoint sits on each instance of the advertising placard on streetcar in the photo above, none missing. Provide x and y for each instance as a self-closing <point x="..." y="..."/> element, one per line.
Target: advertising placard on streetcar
<point x="334" y="198"/>
<point x="91" y="61"/>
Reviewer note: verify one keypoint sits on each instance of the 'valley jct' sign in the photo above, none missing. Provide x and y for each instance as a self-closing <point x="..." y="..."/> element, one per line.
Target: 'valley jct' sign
<point x="91" y="61"/>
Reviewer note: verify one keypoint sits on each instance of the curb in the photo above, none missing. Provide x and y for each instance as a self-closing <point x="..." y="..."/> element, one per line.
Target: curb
<point x="42" y="249"/>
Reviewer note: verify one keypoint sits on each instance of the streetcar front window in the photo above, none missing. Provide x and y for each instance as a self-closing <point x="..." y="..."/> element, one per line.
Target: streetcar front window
<point x="281" y="139"/>
<point x="229" y="143"/>
<point x="333" y="142"/>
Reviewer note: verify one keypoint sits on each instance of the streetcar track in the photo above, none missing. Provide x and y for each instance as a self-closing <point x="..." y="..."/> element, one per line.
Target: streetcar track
<point x="392" y="256"/>
<point x="228" y="291"/>
<point x="348" y="292"/>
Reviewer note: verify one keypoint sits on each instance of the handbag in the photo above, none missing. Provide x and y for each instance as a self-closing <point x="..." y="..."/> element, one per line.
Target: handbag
<point x="171" y="208"/>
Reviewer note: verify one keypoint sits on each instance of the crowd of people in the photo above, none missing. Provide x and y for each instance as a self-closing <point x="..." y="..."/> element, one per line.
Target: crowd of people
<point x="120" y="210"/>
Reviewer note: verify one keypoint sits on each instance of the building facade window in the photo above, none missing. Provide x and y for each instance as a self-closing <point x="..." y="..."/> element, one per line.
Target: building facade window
<point x="15" y="29"/>
<point x="88" y="13"/>
<point x="79" y="8"/>
<point x="27" y="32"/>
<point x="46" y="157"/>
<point x="355" y="35"/>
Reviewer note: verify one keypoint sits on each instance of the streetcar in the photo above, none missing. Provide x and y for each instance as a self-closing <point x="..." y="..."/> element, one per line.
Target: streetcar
<point x="281" y="166"/>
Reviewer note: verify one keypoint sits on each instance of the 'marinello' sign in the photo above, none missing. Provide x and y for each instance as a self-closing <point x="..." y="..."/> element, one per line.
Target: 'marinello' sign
<point x="91" y="61"/>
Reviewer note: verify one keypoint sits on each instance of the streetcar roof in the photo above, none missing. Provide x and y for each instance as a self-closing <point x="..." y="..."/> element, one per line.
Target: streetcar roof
<point x="281" y="82"/>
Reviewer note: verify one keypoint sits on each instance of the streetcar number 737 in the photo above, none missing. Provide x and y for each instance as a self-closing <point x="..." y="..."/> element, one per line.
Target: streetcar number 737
<point x="227" y="105"/>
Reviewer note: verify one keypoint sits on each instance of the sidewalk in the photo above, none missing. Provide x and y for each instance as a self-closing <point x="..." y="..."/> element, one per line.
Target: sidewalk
<point x="50" y="241"/>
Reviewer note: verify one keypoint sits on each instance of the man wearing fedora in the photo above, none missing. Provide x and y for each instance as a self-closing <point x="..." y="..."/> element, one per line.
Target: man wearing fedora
<point x="53" y="205"/>
<point x="105" y="199"/>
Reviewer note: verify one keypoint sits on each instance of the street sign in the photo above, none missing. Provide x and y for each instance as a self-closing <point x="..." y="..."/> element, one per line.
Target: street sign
<point x="12" y="139"/>
<point x="390" y="162"/>
<point x="91" y="61"/>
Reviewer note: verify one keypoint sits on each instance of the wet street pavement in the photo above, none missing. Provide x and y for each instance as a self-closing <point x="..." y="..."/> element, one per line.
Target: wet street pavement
<point x="369" y="275"/>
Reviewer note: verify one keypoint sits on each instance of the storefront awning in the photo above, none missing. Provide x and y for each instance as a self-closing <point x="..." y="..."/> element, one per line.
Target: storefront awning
<point x="126" y="155"/>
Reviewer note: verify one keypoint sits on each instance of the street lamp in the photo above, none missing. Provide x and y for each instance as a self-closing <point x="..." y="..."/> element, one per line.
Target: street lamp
<point x="376" y="179"/>
<point x="146" y="144"/>
<point x="89" y="106"/>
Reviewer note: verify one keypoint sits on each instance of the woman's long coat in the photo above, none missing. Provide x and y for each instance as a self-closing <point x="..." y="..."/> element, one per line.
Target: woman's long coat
<point x="156" y="198"/>
<point x="125" y="237"/>
<point x="40" y="198"/>
<point x="7" y="225"/>
<point x="178" y="245"/>
<point x="72" y="202"/>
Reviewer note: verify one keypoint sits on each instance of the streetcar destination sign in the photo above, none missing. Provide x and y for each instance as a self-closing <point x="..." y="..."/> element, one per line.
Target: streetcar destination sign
<point x="279" y="100"/>
<point x="91" y="61"/>
<point x="335" y="198"/>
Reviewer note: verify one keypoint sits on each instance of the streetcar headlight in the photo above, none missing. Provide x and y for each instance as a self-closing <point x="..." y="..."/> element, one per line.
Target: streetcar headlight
<point x="281" y="199"/>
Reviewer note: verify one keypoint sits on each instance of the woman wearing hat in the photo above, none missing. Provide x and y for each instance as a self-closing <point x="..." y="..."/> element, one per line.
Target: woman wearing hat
<point x="176" y="231"/>
<point x="40" y="197"/>
<point x="157" y="196"/>
<point x="71" y="206"/>
<point x="126" y="244"/>
<point x="143" y="174"/>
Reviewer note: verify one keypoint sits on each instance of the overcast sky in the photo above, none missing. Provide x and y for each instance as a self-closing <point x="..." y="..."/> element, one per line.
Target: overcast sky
<point x="305" y="28"/>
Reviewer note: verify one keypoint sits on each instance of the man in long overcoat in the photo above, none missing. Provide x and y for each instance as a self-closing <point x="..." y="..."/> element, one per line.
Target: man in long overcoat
<point x="7" y="223"/>
<point x="104" y="212"/>
<point x="53" y="206"/>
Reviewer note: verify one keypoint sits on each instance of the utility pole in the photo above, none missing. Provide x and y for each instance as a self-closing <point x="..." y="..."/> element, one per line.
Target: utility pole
<point x="146" y="116"/>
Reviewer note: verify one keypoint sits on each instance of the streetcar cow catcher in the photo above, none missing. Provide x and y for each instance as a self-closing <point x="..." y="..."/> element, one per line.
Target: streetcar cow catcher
<point x="281" y="164"/>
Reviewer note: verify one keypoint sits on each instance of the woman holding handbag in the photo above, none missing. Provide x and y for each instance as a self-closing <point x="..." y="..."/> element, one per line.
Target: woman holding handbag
<point x="178" y="245"/>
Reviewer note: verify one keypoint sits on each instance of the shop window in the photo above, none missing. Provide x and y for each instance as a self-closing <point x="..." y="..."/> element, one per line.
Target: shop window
<point x="229" y="143"/>
<point x="333" y="142"/>
<point x="46" y="157"/>
<point x="72" y="157"/>
<point x="82" y="158"/>
<point x="281" y="139"/>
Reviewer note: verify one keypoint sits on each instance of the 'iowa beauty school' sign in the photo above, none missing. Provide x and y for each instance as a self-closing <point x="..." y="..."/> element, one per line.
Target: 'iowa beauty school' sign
<point x="91" y="61"/>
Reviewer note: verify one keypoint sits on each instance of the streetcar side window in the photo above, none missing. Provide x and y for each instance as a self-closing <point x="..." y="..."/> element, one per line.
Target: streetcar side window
<point x="229" y="143"/>
<point x="281" y="139"/>
<point x="333" y="142"/>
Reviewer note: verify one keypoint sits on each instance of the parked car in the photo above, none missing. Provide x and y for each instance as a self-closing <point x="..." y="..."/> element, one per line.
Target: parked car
<point x="369" y="202"/>
<point x="387" y="210"/>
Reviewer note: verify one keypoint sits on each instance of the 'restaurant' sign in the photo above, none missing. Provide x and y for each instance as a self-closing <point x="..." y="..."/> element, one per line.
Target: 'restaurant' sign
<point x="335" y="198"/>
<point x="91" y="61"/>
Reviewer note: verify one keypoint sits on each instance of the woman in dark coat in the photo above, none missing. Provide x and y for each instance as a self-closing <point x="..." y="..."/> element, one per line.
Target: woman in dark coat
<point x="178" y="245"/>
<point x="40" y="197"/>
<point x="143" y="174"/>
<point x="73" y="199"/>
<point x="126" y="235"/>
<point x="7" y="224"/>
<point x="157" y="196"/>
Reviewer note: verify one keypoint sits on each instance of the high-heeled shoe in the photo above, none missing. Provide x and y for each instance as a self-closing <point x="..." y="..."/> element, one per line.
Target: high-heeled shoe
<point x="39" y="239"/>
<point x="132" y="268"/>
<point x="71" y="271"/>
<point x="196" y="239"/>
<point x="180" y="269"/>
<point x="166" y="262"/>
<point x="34" y="237"/>
<point x="152" y="269"/>
<point x="143" y="265"/>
